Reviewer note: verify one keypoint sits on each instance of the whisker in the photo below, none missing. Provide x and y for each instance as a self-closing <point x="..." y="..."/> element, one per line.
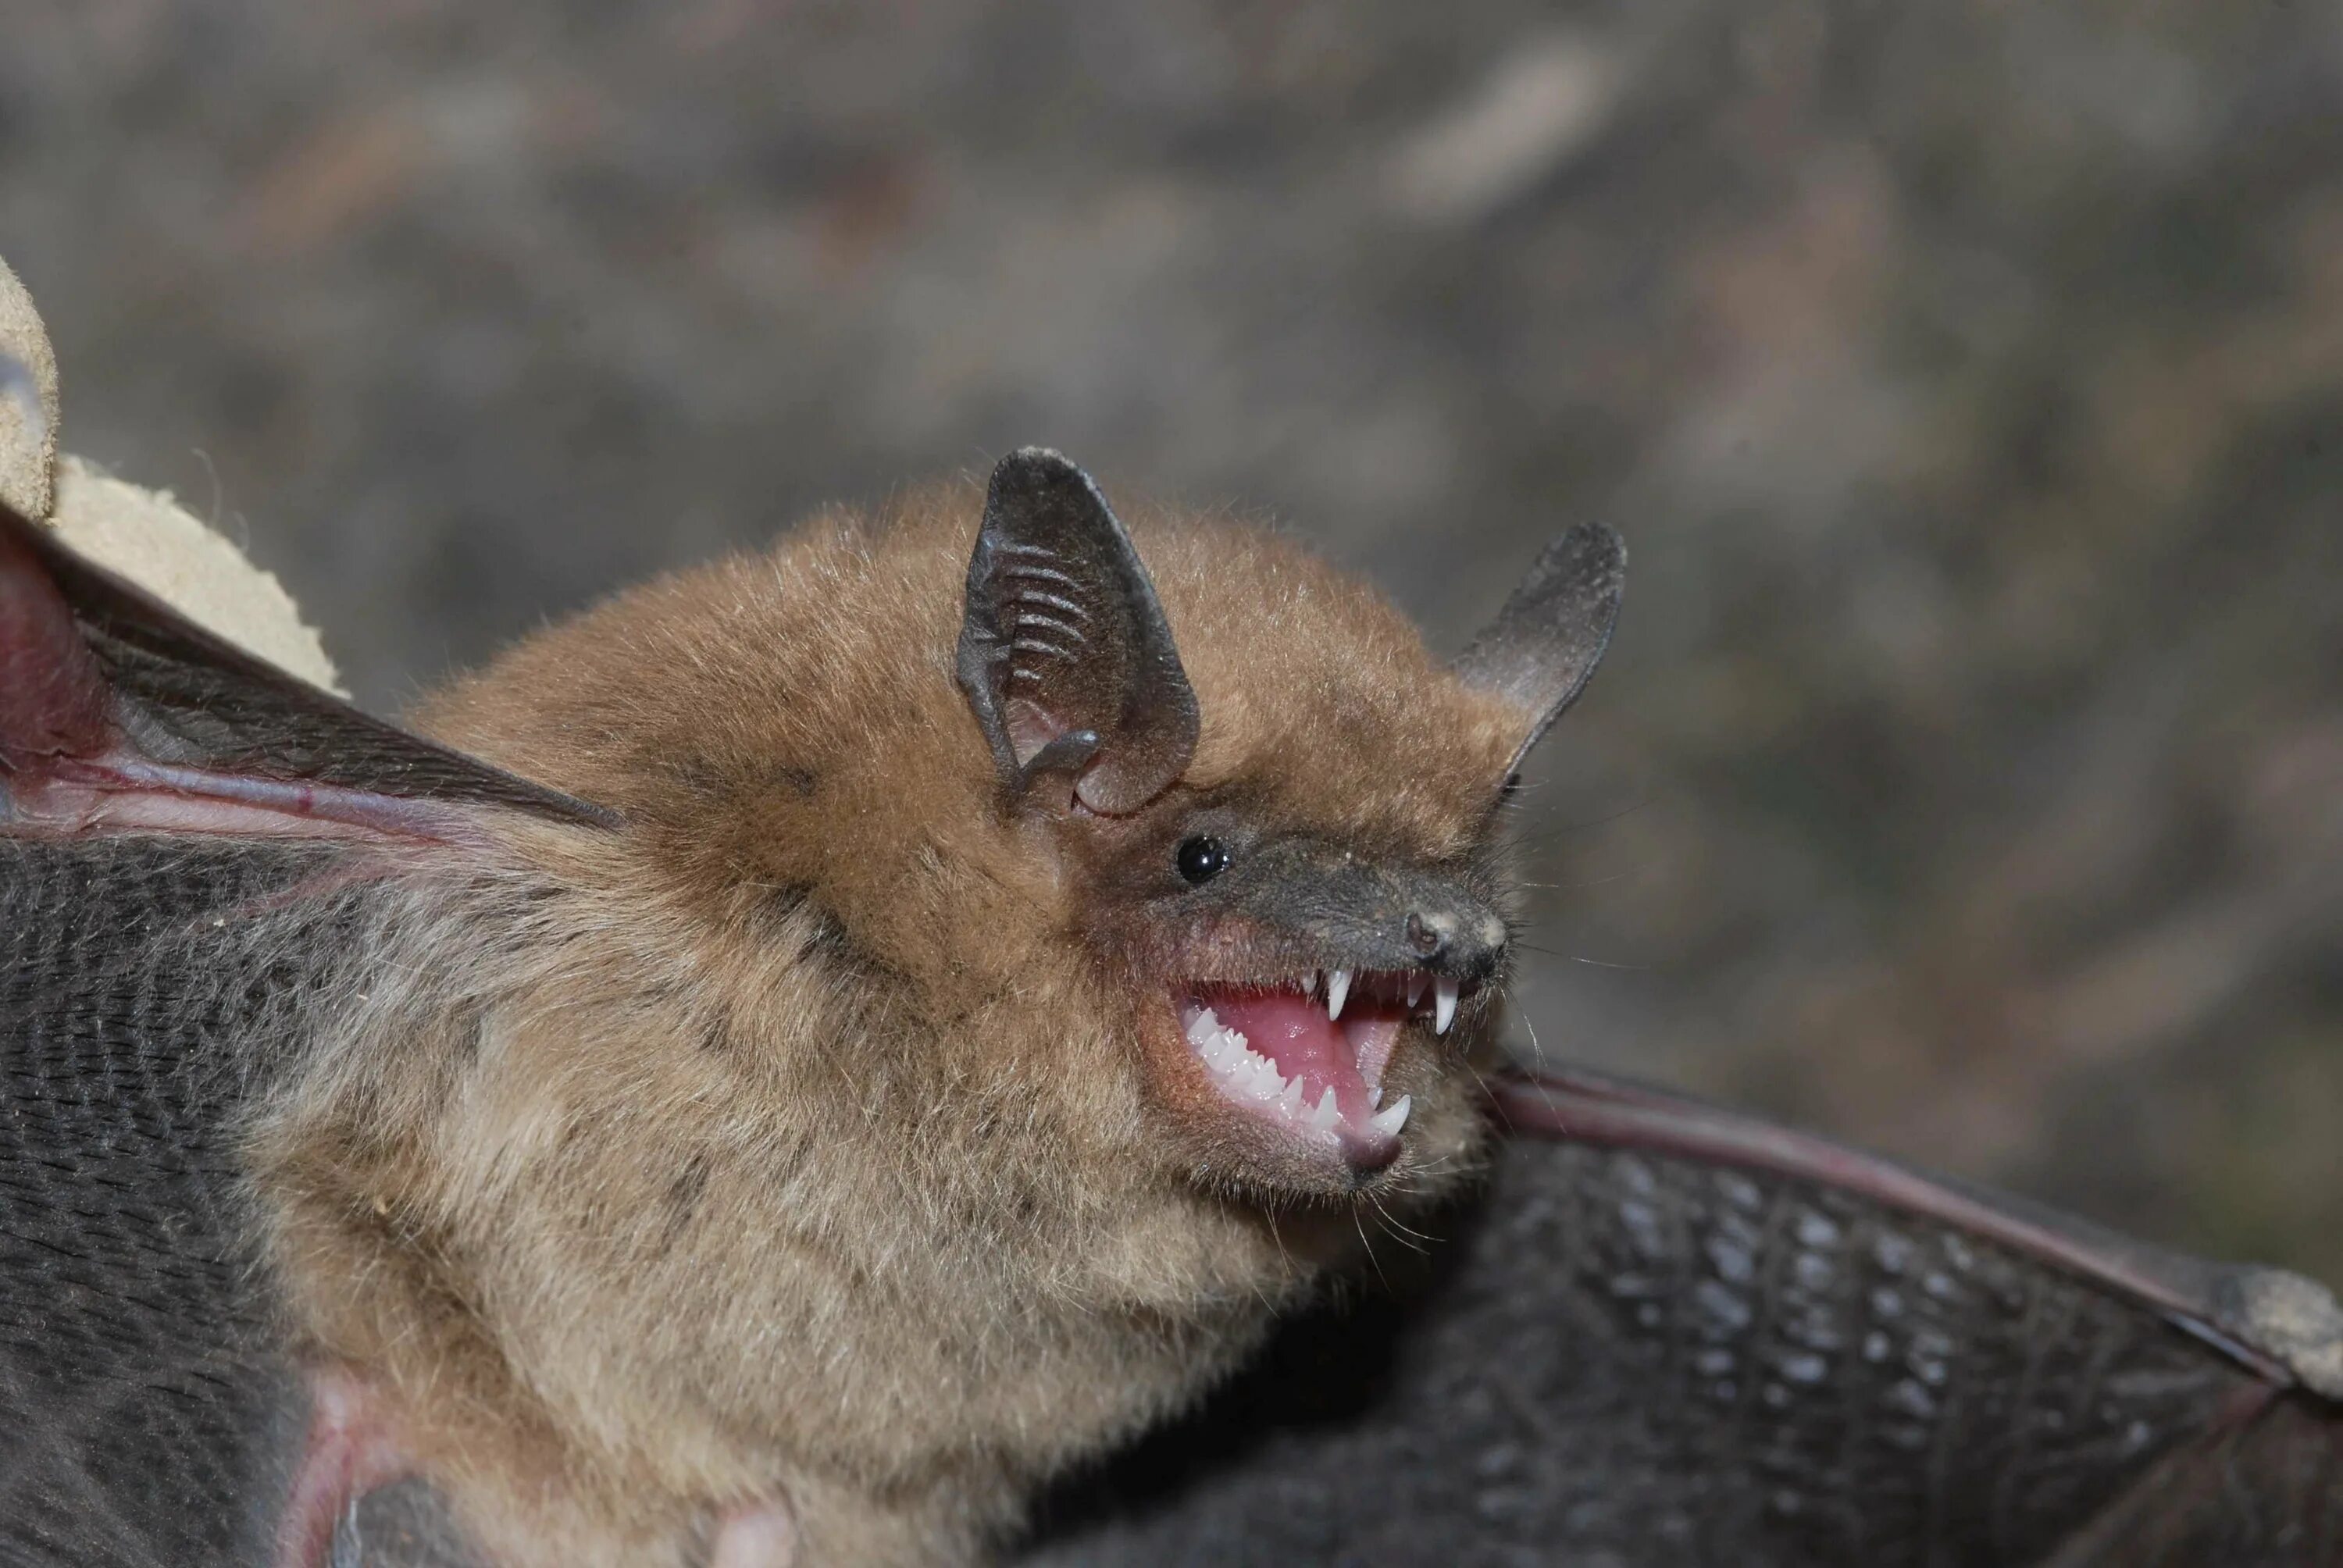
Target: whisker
<point x="1399" y="1232"/>
<point x="1537" y="1052"/>
<point x="1544" y="834"/>
<point x="1578" y="958"/>
<point x="1589" y="882"/>
<point x="1359" y="1219"/>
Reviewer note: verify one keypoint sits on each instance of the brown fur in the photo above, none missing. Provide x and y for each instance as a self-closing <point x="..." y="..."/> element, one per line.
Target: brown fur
<point x="825" y="1134"/>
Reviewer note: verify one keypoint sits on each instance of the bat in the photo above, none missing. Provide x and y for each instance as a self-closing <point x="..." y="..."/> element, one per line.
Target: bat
<point x="800" y="1055"/>
<point x="881" y="1028"/>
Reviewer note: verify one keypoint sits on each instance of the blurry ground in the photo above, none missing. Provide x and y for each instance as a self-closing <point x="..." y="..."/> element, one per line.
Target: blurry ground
<point x="1968" y="378"/>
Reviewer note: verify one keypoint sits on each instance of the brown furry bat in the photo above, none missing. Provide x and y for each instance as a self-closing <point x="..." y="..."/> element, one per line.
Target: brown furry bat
<point x="980" y="996"/>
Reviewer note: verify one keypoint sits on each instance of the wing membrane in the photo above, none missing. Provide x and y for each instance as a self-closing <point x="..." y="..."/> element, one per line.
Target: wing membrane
<point x="1672" y="1335"/>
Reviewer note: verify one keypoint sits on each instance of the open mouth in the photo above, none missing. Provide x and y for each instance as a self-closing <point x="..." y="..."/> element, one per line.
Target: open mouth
<point x="1310" y="1057"/>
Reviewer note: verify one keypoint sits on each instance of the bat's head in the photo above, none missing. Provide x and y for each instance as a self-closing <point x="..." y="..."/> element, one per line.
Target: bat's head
<point x="1174" y="840"/>
<point x="1287" y="858"/>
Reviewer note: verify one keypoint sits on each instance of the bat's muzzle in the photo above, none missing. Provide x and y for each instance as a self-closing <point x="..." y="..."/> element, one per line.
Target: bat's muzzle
<point x="1335" y="910"/>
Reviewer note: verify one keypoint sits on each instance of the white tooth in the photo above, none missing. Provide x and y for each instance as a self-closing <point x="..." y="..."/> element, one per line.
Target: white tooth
<point x="1415" y="979"/>
<point x="1374" y="1095"/>
<point x="1444" y="1002"/>
<point x="1263" y="1082"/>
<point x="1201" y="1026"/>
<point x="1390" y="1122"/>
<point x="1325" y="1116"/>
<point x="1338" y="991"/>
<point x="1291" y="1100"/>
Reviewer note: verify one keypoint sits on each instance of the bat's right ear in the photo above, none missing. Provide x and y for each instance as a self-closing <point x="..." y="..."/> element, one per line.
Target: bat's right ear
<point x="118" y="712"/>
<point x="1064" y="653"/>
<point x="1543" y="647"/>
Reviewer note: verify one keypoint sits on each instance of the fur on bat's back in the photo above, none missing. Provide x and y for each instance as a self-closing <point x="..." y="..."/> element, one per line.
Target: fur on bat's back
<point x="792" y="1137"/>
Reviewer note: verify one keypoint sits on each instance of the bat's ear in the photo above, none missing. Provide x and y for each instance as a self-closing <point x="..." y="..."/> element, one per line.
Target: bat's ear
<point x="1064" y="653"/>
<point x="1543" y="647"/>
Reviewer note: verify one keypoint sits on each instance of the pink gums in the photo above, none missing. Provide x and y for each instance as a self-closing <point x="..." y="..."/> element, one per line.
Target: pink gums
<point x="1347" y="1055"/>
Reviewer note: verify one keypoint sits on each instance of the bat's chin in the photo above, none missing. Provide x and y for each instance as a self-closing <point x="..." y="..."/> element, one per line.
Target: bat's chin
<point x="1295" y="1071"/>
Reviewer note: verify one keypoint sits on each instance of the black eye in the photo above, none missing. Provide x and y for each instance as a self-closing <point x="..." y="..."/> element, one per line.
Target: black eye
<point x="1201" y="859"/>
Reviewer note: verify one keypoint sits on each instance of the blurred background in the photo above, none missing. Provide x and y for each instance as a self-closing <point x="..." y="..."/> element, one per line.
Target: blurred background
<point x="1968" y="780"/>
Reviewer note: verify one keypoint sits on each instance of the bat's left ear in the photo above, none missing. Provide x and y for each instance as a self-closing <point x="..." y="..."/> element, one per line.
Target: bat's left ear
<point x="1064" y="653"/>
<point x="1543" y="647"/>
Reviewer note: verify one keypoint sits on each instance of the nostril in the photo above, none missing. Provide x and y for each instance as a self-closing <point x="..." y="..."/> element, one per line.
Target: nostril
<point x="1428" y="937"/>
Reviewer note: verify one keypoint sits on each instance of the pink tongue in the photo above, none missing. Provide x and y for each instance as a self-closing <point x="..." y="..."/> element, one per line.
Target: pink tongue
<point x="1296" y="1034"/>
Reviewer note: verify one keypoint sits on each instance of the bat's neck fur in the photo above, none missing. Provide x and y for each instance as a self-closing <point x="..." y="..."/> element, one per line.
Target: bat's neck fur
<point x="794" y="1138"/>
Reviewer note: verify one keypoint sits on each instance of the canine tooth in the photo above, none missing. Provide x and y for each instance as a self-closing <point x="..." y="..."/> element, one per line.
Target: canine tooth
<point x="1443" y="996"/>
<point x="1291" y="1100"/>
<point x="1338" y="991"/>
<point x="1326" y="1115"/>
<point x="1415" y="979"/>
<point x="1388" y="1122"/>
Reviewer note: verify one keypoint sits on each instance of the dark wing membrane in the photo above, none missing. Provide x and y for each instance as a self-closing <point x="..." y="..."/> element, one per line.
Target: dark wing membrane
<point x="157" y="985"/>
<point x="185" y="697"/>
<point x="1676" y="1336"/>
<point x="146" y="1415"/>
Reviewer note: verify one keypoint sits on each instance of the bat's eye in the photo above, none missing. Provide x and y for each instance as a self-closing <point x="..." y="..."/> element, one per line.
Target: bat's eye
<point x="1201" y="859"/>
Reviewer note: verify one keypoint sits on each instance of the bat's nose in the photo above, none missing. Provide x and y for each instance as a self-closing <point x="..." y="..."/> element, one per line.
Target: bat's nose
<point x="1463" y="943"/>
<point x="1342" y="911"/>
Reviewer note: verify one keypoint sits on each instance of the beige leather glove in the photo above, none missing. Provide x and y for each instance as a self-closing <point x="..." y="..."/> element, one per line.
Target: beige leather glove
<point x="144" y="535"/>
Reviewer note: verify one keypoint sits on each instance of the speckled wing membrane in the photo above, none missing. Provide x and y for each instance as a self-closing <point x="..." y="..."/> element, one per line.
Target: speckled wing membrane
<point x="1675" y="1335"/>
